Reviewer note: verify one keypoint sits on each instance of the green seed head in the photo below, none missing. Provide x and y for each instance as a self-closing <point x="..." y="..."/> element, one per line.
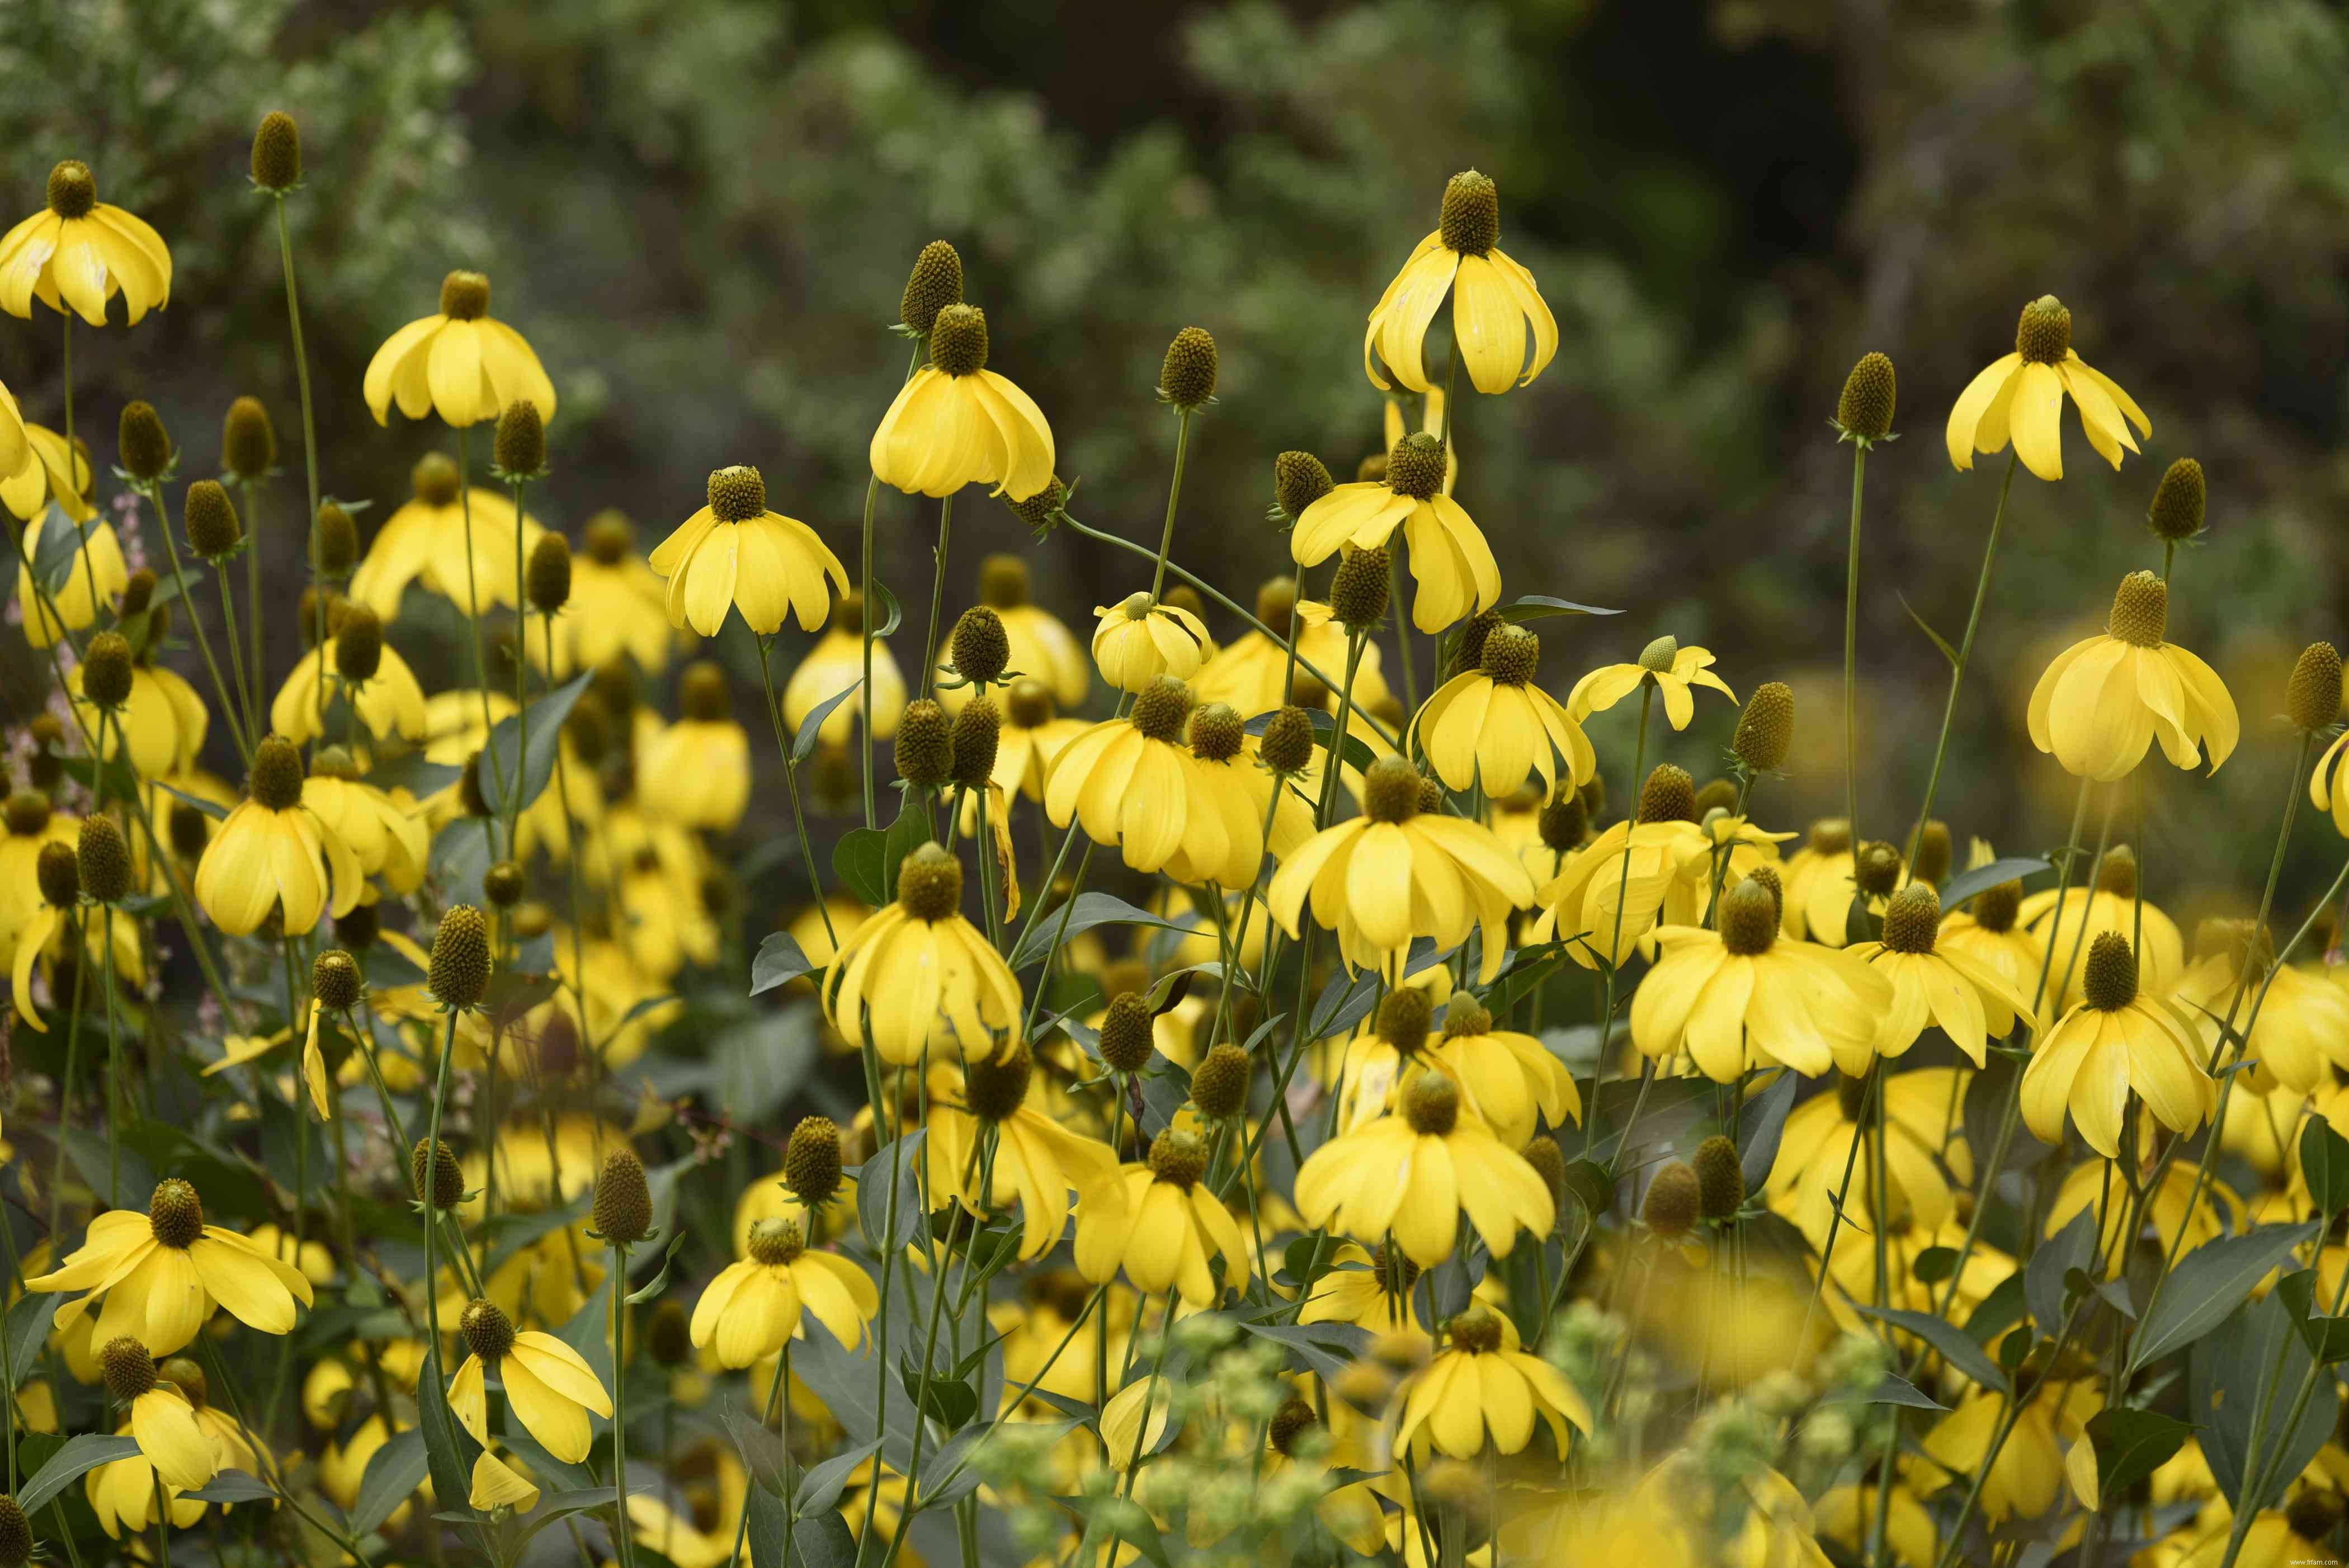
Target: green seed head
<point x="248" y="440"/>
<point x="1187" y="378"/>
<point x="958" y="340"/>
<point x="624" y="1200"/>
<point x="929" y="884"/>
<point x="459" y="973"/>
<point x="935" y="283"/>
<point x="277" y="153"/>
<point x="2043" y="335"/>
<point x="1869" y="392"/>
<point x="736" y="494"/>
<point x="104" y="860"/>
<point x="812" y="1160"/>
<point x="1766" y="730"/>
<point x="1470" y="222"/>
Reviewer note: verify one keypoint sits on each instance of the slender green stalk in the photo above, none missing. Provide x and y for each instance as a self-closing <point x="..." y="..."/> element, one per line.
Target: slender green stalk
<point x="621" y="1534"/>
<point x="930" y="649"/>
<point x="474" y="609"/>
<point x="236" y="649"/>
<point x="864" y="700"/>
<point x="522" y="685"/>
<point x="301" y="357"/>
<point x="1958" y="671"/>
<point x="574" y="849"/>
<point x="1174" y="495"/>
<point x="1851" y="649"/>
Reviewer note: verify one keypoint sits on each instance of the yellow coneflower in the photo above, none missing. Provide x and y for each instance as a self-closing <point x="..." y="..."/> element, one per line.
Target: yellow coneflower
<point x="917" y="971"/>
<point x="58" y="877"/>
<point x="31" y="823"/>
<point x="1138" y="639"/>
<point x="699" y="771"/>
<point x="1491" y="728"/>
<point x="163" y="1420"/>
<point x="429" y="540"/>
<point x="1971" y="1003"/>
<point x="2117" y="1040"/>
<point x="123" y="1495"/>
<point x="836" y="665"/>
<point x="160" y="1273"/>
<point x="1252" y="672"/>
<point x="162" y="723"/>
<point x="1042" y="647"/>
<point x="1806" y="1182"/>
<point x="275" y="853"/>
<point x="1451" y="564"/>
<point x="1233" y="795"/>
<point x="2022" y="395"/>
<point x="1988" y="930"/>
<point x="1507" y="1077"/>
<point x="1158" y="1221"/>
<point x="461" y="363"/>
<point x="2303" y="1022"/>
<point x="1031" y="737"/>
<point x="1495" y="301"/>
<point x="1131" y="783"/>
<point x="1675" y="670"/>
<point x="618" y="607"/>
<point x="77" y="253"/>
<point x="45" y="469"/>
<point x="497" y="1484"/>
<point x="2026" y="1476"/>
<point x="1609" y="896"/>
<point x="753" y="1307"/>
<point x="1416" y="1170"/>
<point x="2182" y="1213"/>
<point x="550" y="1387"/>
<point x="1482" y="1385"/>
<point x="1740" y="997"/>
<point x="390" y="701"/>
<point x="97" y="577"/>
<point x="1397" y="872"/>
<point x="1368" y="1287"/>
<point x="391" y="840"/>
<point x="2083" y="914"/>
<point x="2102" y="701"/>
<point x="734" y="553"/>
<point x="1035" y="1160"/>
<point x="957" y="423"/>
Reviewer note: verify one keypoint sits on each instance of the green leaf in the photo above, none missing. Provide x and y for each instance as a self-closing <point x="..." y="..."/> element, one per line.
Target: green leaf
<point x="811" y="729"/>
<point x="1947" y="1337"/>
<point x="54" y="559"/>
<point x="1538" y="606"/>
<point x="394" y="1471"/>
<point x="755" y="1065"/>
<point x="1118" y="1518"/>
<point x="78" y="1457"/>
<point x="2226" y="1369"/>
<point x="2131" y="1445"/>
<point x="893" y="614"/>
<point x="2207" y="1284"/>
<point x="2325" y="1162"/>
<point x="1091" y="909"/>
<point x="2068" y="1250"/>
<point x="233" y="1486"/>
<point x="944" y="1400"/>
<point x="909" y="833"/>
<point x="444" y="1440"/>
<point x="1947" y="651"/>
<point x="27" y="1330"/>
<point x="498" y="758"/>
<point x="858" y="861"/>
<point x="211" y="808"/>
<point x="1325" y="726"/>
<point x="1934" y="1264"/>
<point x="821" y="1487"/>
<point x="900" y="1158"/>
<point x="1968" y="884"/>
<point x="1896" y="1389"/>
<point x="413" y="772"/>
<point x="659" y="1282"/>
<point x="1761" y="1126"/>
<point x="1593" y="1186"/>
<point x="2326" y="1337"/>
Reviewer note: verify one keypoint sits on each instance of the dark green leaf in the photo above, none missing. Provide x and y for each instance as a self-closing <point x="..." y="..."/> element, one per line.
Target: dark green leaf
<point x="394" y="1471"/>
<point x="944" y="1400"/>
<point x="2227" y="1370"/>
<point x="1896" y="1389"/>
<point x="908" y="833"/>
<point x="56" y="557"/>
<point x="1760" y="1128"/>
<point x="821" y="1487"/>
<point x="445" y="1442"/>
<point x="2073" y="1247"/>
<point x="2327" y="1337"/>
<point x="891" y="614"/>
<point x="1947" y="651"/>
<point x="233" y="1486"/>
<point x="858" y="861"/>
<point x="211" y="808"/>
<point x="2206" y="1284"/>
<point x="78" y="1457"/>
<point x="413" y="772"/>
<point x="1538" y="606"/>
<point x="27" y="1330"/>
<point x="659" y="1282"/>
<point x="2325" y="1162"/>
<point x="1091" y="909"/>
<point x="1934" y="1264"/>
<point x="891" y="1171"/>
<point x="1592" y="1185"/>
<point x="1947" y="1337"/>
<point x="499" y="757"/>
<point x="2131" y="1445"/>
<point x="811" y="729"/>
<point x="1966" y="885"/>
<point x="779" y="961"/>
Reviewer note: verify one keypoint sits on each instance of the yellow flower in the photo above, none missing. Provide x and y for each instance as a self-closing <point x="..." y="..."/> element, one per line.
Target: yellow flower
<point x="57" y="915"/>
<point x="2303" y="1022"/>
<point x="122" y="1495"/>
<point x="1485" y="1383"/>
<point x="1131" y="782"/>
<point x="160" y="1273"/>
<point x="1971" y="1003"/>
<point x="97" y="577"/>
<point x="461" y="364"/>
<point x="1232" y="795"/>
<point x="2022" y="393"/>
<point x="161" y="1419"/>
<point x="1847" y="1516"/>
<point x="1042" y="648"/>
<point x="550" y="1388"/>
<point x="734" y="551"/>
<point x="1138" y="639"/>
<point x="956" y="422"/>
<point x="1159" y="1221"/>
<point x="1922" y="1109"/>
<point x="1450" y="562"/>
<point x="1989" y="933"/>
<point x="1413" y="1172"/>
<point x="1740" y="997"/>
<point x="1369" y="1288"/>
<point x="1674" y="669"/>
<point x="391" y="702"/>
<point x="918" y="969"/>
<point x="1035" y="1160"/>
<point x="699" y="771"/>
<point x="679" y="1529"/>
<point x="78" y="252"/>
<point x="754" y="1305"/>
<point x="835" y="664"/>
<point x="1609" y="895"/>
<point x="2027" y="1476"/>
<point x="43" y="472"/>
<point x="277" y="852"/>
<point x="1495" y="301"/>
<point x="1031" y="737"/>
<point x="2115" y="1041"/>
<point x="618" y="606"/>
<point x="388" y="839"/>
<point x="2104" y="699"/>
<point x="1506" y="1078"/>
<point x="314" y="1258"/>
<point x="430" y="541"/>
<point x="163" y="721"/>
<point x="2328" y="786"/>
<point x="497" y="1484"/>
<point x="31" y="824"/>
<point x="2112" y="905"/>
<point x="1491" y="728"/>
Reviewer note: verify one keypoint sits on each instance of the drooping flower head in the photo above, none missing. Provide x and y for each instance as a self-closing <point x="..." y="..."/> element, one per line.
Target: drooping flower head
<point x="1491" y="728"/>
<point x="2021" y="395"/>
<point x="461" y="362"/>
<point x="1450" y="561"/>
<point x="77" y="253"/>
<point x="275" y="852"/>
<point x="956" y="422"/>
<point x="550" y="1388"/>
<point x="2116" y="1042"/>
<point x="919" y="970"/>
<point x="734" y="553"/>
<point x="1495" y="302"/>
<point x="2106" y="698"/>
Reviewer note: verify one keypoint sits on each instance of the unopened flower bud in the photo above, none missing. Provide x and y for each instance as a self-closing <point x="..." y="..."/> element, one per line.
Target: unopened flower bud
<point x="277" y="153"/>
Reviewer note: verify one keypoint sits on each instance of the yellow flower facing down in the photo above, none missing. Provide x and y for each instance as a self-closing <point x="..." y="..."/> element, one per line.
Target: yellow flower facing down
<point x="1971" y="1003"/>
<point x="1496" y="303"/>
<point x="2302" y="1031"/>
<point x="2110" y="905"/>
<point x="1131" y="783"/>
<point x="45" y="473"/>
<point x="1506" y="1078"/>
<point x="917" y="970"/>
<point x="1741" y="996"/>
<point x="160" y="1273"/>
<point x="1160" y="1222"/>
<point x="2021" y="396"/>
<point x="1368" y="1287"/>
<point x="275" y="853"/>
<point x="1036" y="1160"/>
<point x="1138" y="639"/>
<point x="1491" y="728"/>
<point x="1031" y="737"/>
<point x="1451" y="564"/>
<point x="735" y="553"/>
<point x="753" y="1306"/>
<point x="2027" y="1475"/>
<point x="1676" y="672"/>
<point x="1808" y="1179"/>
<point x="618" y="607"/>
<point x="162" y="723"/>
<point x="957" y="423"/>
<point x="388" y="702"/>
<point x="388" y="839"/>
<point x="1416" y="1170"/>
<point x="122" y="1494"/>
<point x="1252" y="672"/>
<point x="461" y="363"/>
<point x="1609" y="896"/>
<point x="2117" y="1041"/>
<point x="698" y="772"/>
<point x="2182" y="1213"/>
<point x="497" y="1484"/>
<point x="1481" y="1385"/>
<point x="1399" y="872"/>
<point x="2102" y="701"/>
<point x="60" y="919"/>
<point x="454" y="540"/>
<point x="1988" y="930"/>
<point x="96" y="579"/>
<point x="77" y="253"/>
<point x="550" y="1388"/>
<point x="163" y="1420"/>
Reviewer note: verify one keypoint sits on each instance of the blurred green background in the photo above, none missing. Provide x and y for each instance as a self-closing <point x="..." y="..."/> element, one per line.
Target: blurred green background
<point x="701" y="212"/>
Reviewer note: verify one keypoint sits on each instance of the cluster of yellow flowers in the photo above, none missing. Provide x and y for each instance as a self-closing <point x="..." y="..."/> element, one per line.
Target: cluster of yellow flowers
<point x="1235" y="1244"/>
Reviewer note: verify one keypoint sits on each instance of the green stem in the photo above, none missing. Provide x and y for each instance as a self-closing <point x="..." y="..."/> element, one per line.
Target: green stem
<point x="1851" y="649"/>
<point x="236" y="649"/>
<point x="1958" y="671"/>
<point x="252" y="595"/>
<point x="474" y="608"/>
<point x="930" y="649"/>
<point x="864" y="702"/>
<point x="301" y="357"/>
<point x="621" y="1533"/>
<point x="1174" y="495"/>
<point x="522" y="690"/>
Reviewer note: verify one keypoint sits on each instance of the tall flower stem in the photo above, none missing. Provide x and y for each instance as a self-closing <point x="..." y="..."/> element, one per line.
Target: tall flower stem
<point x="1622" y="889"/>
<point x="1958" y="671"/>
<point x="301" y="357"/>
<point x="73" y="462"/>
<point x="1851" y="649"/>
<point x="621" y="1534"/>
<point x="1174" y="495"/>
<point x="791" y="785"/>
<point x="571" y="836"/>
<point x="153" y="491"/>
<point x="235" y="648"/>
<point x="865" y="703"/>
<point x="937" y="596"/>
